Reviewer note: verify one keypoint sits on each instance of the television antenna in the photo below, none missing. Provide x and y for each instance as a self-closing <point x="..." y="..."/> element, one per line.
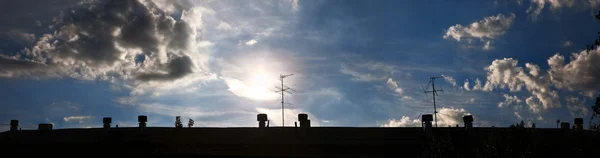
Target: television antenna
<point x="281" y="90"/>
<point x="434" y="93"/>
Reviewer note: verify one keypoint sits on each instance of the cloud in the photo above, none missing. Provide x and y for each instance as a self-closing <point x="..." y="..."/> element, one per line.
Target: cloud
<point x="256" y="89"/>
<point x="477" y="85"/>
<point x="393" y="85"/>
<point x="294" y="5"/>
<point x="21" y="36"/>
<point x="403" y="122"/>
<point x="567" y="43"/>
<point x="105" y="40"/>
<point x="446" y="117"/>
<point x="358" y="76"/>
<point x="224" y="26"/>
<point x="505" y="74"/>
<point x="251" y="42"/>
<point x="510" y="100"/>
<point x="518" y="115"/>
<point x="580" y="74"/>
<point x="450" y="80"/>
<point x="537" y="6"/>
<point x="368" y="71"/>
<point x="576" y="107"/>
<point x="485" y="30"/>
<point x="79" y="119"/>
<point x="577" y="75"/>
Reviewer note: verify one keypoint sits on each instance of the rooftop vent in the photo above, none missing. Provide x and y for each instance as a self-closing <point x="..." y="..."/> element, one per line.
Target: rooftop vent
<point x="142" y="119"/>
<point x="426" y="121"/>
<point x="578" y="123"/>
<point x="304" y="121"/>
<point x="261" y="118"/>
<point x="468" y="120"/>
<point x="107" y="121"/>
<point x="14" y="124"/>
<point x="427" y="118"/>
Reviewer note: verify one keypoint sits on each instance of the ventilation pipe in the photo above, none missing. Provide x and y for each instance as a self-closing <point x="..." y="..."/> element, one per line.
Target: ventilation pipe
<point x="262" y="119"/>
<point x="468" y="120"/>
<point x="107" y="121"/>
<point x="578" y="123"/>
<point x="304" y="121"/>
<point x="142" y="119"/>
<point x="14" y="125"/>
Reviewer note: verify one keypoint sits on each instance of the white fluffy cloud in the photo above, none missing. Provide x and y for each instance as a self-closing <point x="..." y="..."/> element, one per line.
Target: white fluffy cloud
<point x="506" y="74"/>
<point x="405" y="121"/>
<point x="393" y="85"/>
<point x="251" y="42"/>
<point x="580" y="74"/>
<point x="485" y="30"/>
<point x="446" y="117"/>
<point x="510" y="100"/>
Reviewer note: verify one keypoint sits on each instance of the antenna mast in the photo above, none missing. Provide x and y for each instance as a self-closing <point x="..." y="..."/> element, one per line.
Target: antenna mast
<point x="434" y="92"/>
<point x="282" y="89"/>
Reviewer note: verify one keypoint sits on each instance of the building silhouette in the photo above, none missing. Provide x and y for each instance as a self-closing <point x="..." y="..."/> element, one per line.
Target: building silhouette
<point x="302" y="141"/>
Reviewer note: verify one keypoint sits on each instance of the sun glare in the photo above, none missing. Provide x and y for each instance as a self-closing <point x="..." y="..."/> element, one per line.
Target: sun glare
<point x="259" y="87"/>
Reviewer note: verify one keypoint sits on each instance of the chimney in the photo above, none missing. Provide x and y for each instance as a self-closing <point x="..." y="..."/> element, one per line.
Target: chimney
<point x="14" y="125"/>
<point x="142" y="119"/>
<point x="579" y="123"/>
<point x="107" y="121"/>
<point x="468" y="120"/>
<point x="304" y="121"/>
<point x="45" y="127"/>
<point x="261" y="118"/>
<point x="565" y="125"/>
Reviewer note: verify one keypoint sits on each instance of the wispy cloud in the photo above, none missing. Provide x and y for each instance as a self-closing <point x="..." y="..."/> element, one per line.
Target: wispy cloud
<point x="79" y="119"/>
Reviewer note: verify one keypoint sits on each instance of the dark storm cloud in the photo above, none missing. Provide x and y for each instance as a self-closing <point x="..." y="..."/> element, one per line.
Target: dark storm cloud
<point x="8" y="64"/>
<point x="177" y="68"/>
<point x="98" y="34"/>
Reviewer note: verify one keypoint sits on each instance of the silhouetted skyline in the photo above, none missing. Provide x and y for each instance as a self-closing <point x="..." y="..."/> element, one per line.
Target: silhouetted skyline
<point x="71" y="63"/>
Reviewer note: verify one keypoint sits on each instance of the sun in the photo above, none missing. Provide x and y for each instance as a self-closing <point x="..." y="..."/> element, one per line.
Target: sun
<point x="259" y="87"/>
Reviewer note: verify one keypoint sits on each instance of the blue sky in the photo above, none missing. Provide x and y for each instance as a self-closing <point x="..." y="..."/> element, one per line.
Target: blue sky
<point x="355" y="63"/>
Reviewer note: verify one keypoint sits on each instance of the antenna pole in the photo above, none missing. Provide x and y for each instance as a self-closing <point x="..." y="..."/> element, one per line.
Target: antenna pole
<point x="282" y="102"/>
<point x="281" y="90"/>
<point x="434" y="93"/>
<point x="434" y="108"/>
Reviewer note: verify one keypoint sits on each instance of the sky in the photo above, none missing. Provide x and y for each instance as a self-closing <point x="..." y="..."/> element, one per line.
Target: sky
<point x="354" y="63"/>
